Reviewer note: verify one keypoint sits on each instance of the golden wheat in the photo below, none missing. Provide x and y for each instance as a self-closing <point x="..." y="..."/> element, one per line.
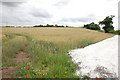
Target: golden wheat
<point x="60" y="34"/>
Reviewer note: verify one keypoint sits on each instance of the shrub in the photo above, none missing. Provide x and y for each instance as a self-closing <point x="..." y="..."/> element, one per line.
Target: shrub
<point x="115" y="32"/>
<point x="118" y="32"/>
<point x="92" y="26"/>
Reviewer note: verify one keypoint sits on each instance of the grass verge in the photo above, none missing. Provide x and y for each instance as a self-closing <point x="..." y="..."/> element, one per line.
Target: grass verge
<point x="49" y="60"/>
<point x="10" y="47"/>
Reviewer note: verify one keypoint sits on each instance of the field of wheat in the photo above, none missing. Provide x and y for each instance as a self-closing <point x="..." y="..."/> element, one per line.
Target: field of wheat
<point x="59" y="34"/>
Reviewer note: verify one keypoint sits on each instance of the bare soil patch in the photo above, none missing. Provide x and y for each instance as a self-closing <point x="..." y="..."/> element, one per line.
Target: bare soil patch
<point x="19" y="59"/>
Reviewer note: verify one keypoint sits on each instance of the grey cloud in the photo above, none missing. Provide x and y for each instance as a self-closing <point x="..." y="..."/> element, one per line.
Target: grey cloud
<point x="40" y="13"/>
<point x="62" y="2"/>
<point x="11" y="4"/>
<point x="20" y="17"/>
<point x="13" y="0"/>
<point x="14" y="20"/>
<point x="75" y="20"/>
<point x="82" y="19"/>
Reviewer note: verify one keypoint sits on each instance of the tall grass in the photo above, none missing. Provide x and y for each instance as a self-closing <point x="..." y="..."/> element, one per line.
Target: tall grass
<point x="49" y="61"/>
<point x="11" y="45"/>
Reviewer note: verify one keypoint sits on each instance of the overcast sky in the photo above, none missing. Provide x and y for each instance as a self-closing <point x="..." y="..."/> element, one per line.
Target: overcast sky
<point x="63" y="12"/>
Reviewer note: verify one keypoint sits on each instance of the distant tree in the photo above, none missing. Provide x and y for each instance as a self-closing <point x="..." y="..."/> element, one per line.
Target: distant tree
<point x="66" y="26"/>
<point x="92" y="26"/>
<point x="38" y="25"/>
<point x="48" y="25"/>
<point x="56" y="25"/>
<point x="62" y="26"/>
<point x="107" y="22"/>
<point x="7" y="26"/>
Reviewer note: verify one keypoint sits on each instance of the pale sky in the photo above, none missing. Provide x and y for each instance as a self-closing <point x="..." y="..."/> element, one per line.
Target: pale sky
<point x="63" y="12"/>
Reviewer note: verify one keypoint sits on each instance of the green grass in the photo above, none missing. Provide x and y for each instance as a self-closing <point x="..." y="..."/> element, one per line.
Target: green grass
<point x="49" y="61"/>
<point x="11" y="45"/>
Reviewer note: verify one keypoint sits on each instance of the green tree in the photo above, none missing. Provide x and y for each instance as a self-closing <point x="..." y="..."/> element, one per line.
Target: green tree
<point x="107" y="22"/>
<point x="92" y="26"/>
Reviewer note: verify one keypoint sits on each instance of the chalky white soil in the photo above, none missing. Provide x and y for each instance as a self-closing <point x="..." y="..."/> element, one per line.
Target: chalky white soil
<point x="97" y="60"/>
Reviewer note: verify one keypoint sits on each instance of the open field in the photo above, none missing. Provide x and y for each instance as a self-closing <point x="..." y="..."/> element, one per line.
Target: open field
<point x="46" y="49"/>
<point x="59" y="34"/>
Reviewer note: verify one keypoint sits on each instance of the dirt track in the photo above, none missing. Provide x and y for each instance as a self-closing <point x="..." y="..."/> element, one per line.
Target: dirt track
<point x="19" y="59"/>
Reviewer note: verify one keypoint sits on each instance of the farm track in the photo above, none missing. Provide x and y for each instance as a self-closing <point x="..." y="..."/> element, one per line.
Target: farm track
<point x="19" y="58"/>
<point x="9" y="71"/>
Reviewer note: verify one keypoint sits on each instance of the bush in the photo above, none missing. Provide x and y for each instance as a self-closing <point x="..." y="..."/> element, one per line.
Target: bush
<point x="92" y="26"/>
<point x="115" y="32"/>
<point x="100" y="30"/>
<point x="118" y="32"/>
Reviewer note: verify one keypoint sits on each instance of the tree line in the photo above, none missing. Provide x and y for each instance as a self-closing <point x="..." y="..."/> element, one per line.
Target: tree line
<point x="48" y="25"/>
<point x="107" y="25"/>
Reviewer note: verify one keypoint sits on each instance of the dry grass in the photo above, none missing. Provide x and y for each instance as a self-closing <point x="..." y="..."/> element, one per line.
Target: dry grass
<point x="60" y="34"/>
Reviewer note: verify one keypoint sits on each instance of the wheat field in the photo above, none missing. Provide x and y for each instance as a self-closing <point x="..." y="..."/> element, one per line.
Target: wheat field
<point x="60" y="34"/>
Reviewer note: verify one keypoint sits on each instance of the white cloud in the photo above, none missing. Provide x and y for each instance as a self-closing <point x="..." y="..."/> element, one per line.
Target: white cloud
<point x="31" y="12"/>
